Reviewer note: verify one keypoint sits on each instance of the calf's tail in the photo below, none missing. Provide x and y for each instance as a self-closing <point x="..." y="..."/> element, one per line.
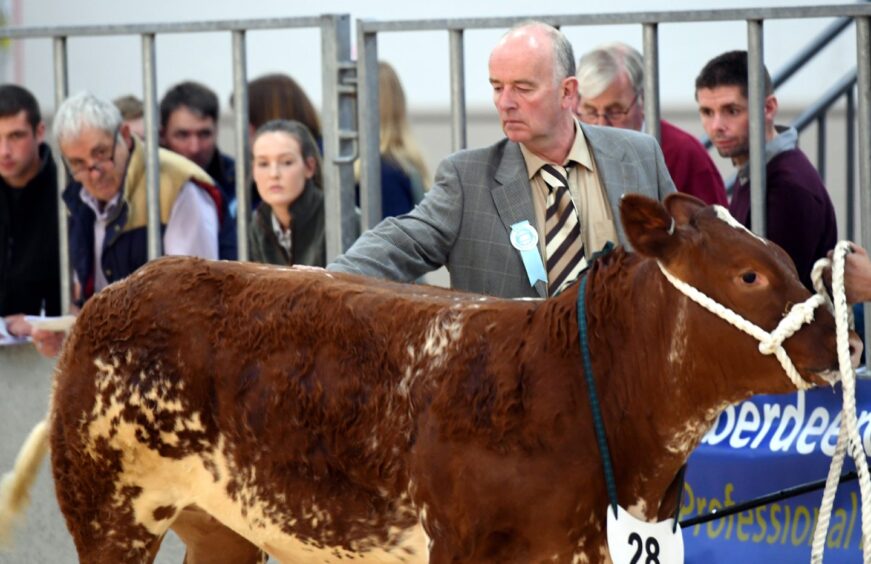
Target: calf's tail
<point x="16" y="485"/>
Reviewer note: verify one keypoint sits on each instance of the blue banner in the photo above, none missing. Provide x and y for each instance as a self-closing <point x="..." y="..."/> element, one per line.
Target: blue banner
<point x="765" y="445"/>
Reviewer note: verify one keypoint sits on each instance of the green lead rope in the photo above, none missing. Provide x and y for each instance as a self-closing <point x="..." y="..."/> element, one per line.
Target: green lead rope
<point x="596" y="409"/>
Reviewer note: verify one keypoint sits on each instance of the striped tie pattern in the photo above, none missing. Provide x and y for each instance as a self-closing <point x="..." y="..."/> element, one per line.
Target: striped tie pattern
<point x="564" y="247"/>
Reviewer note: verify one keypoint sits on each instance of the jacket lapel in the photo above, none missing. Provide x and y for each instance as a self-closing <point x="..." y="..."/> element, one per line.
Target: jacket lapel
<point x="512" y="195"/>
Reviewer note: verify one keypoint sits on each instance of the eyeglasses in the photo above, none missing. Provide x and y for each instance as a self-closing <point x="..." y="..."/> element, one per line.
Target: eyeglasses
<point x="612" y="115"/>
<point x="101" y="156"/>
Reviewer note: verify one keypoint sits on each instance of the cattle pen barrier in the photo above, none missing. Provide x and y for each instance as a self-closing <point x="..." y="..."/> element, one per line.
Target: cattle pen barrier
<point x="368" y="32"/>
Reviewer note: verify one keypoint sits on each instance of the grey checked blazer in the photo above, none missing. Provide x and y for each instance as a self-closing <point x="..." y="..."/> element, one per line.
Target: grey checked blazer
<point x="465" y="220"/>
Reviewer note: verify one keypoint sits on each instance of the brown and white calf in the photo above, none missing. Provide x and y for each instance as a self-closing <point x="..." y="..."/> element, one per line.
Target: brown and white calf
<point x="329" y="417"/>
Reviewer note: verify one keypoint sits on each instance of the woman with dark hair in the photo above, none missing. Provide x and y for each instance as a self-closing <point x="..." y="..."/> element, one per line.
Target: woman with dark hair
<point x="288" y="225"/>
<point x="278" y="96"/>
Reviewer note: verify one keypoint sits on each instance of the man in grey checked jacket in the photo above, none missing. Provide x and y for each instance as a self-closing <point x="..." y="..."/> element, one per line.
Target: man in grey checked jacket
<point x="482" y="196"/>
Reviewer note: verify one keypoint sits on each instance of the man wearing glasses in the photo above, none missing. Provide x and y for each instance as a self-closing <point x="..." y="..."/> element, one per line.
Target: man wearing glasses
<point x="107" y="198"/>
<point x="611" y="93"/>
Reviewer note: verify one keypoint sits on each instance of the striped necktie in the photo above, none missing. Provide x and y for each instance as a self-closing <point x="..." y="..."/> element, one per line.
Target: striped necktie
<point x="563" y="244"/>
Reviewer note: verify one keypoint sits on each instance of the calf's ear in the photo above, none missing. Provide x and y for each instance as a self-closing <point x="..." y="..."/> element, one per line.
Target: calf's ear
<point x="682" y="206"/>
<point x="649" y="227"/>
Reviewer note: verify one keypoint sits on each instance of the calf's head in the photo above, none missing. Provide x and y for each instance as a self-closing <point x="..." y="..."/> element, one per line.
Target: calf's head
<point x="706" y="248"/>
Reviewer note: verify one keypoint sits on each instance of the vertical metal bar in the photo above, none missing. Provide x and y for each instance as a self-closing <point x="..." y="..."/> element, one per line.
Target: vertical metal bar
<point x="458" y="90"/>
<point x="368" y="120"/>
<point x="651" y="81"/>
<point x="821" y="146"/>
<point x="863" y="85"/>
<point x="337" y="117"/>
<point x="850" y="145"/>
<point x="756" y="109"/>
<point x="61" y="88"/>
<point x="152" y="166"/>
<point x="240" y="113"/>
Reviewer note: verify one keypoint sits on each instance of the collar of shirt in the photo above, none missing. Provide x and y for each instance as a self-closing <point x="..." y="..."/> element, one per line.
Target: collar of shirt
<point x="785" y="140"/>
<point x="579" y="153"/>
<point x="92" y="203"/>
<point x="284" y="237"/>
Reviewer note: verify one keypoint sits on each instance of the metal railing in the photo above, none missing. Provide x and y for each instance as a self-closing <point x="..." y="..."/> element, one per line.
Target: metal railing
<point x="339" y="138"/>
<point x="346" y="82"/>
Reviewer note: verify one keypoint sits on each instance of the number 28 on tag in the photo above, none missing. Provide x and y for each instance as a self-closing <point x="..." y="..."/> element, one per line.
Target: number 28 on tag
<point x="632" y="541"/>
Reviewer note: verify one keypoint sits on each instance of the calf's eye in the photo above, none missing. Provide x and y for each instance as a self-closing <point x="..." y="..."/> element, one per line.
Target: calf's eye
<point x="749" y="277"/>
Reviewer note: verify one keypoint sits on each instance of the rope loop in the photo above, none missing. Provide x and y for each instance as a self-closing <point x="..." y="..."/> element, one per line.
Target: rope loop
<point x="799" y="315"/>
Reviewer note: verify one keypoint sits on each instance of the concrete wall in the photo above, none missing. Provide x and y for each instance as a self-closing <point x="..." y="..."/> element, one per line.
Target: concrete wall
<point x="111" y="66"/>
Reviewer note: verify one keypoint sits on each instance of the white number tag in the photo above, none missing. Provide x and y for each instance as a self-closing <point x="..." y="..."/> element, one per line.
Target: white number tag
<point x="631" y="541"/>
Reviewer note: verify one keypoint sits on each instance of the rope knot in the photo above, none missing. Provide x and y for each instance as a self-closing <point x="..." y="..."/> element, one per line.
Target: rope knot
<point x="799" y="315"/>
<point x="769" y="345"/>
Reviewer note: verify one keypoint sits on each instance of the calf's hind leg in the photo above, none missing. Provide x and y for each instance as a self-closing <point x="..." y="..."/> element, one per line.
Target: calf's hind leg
<point x="114" y="536"/>
<point x="117" y="545"/>
<point x="101" y="513"/>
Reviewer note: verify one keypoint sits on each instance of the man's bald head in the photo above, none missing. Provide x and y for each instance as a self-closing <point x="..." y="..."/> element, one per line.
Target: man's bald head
<point x="544" y="38"/>
<point x="532" y="72"/>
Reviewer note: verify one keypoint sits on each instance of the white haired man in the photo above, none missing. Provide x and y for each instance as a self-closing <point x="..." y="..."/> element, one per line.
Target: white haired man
<point x="107" y="198"/>
<point x="106" y="201"/>
<point x="611" y="93"/>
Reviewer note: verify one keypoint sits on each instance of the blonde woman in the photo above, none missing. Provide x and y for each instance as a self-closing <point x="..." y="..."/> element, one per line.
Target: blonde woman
<point x="403" y="171"/>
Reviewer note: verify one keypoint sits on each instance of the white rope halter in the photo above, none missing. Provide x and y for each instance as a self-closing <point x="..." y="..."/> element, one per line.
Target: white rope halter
<point x="848" y="434"/>
<point x="769" y="343"/>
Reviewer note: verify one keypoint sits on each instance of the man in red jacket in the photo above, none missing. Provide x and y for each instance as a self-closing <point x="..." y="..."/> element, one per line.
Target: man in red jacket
<point x="611" y="93"/>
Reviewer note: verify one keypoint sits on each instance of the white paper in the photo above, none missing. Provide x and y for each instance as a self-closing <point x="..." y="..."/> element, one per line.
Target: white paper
<point x="6" y="339"/>
<point x="60" y="323"/>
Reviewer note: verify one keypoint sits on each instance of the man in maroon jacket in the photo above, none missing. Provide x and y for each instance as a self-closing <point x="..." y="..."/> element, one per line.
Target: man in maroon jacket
<point x="799" y="213"/>
<point x="611" y="92"/>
